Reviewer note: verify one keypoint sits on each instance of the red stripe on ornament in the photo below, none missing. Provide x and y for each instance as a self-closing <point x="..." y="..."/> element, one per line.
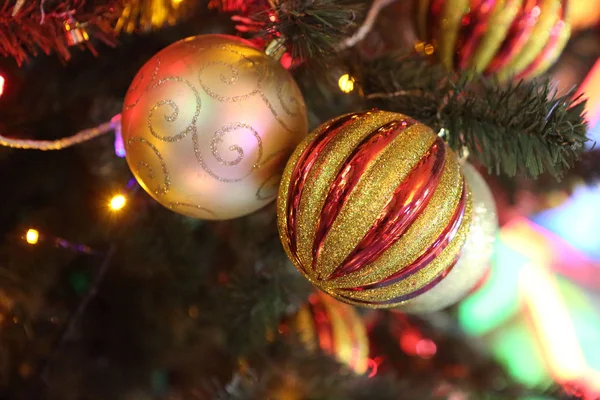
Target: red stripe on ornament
<point x="322" y="324"/>
<point x="410" y="295"/>
<point x="433" y="251"/>
<point x="551" y="49"/>
<point x="349" y="323"/>
<point x="474" y="26"/>
<point x="301" y="171"/>
<point x="406" y="204"/>
<point x="350" y="174"/>
<point x="517" y="36"/>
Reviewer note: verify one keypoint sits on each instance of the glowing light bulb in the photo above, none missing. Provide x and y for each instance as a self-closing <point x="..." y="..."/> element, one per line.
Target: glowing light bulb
<point x="32" y="236"/>
<point x="1" y="85"/>
<point x="119" y="145"/>
<point x="346" y="83"/>
<point x="117" y="202"/>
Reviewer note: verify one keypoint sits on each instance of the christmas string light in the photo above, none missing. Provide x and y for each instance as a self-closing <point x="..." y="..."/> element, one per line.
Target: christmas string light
<point x="33" y="237"/>
<point x="119" y="145"/>
<point x="117" y="202"/>
<point x="59" y="144"/>
<point x="346" y="83"/>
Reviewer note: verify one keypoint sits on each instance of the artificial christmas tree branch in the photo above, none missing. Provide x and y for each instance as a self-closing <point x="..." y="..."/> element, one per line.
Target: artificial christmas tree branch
<point x="313" y="28"/>
<point x="367" y="24"/>
<point x="523" y="128"/>
<point x="78" y="313"/>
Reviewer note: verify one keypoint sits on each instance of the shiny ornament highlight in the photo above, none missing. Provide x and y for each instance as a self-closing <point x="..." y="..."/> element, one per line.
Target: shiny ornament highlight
<point x="208" y="124"/>
<point x="75" y="32"/>
<point x="335" y="328"/>
<point x="373" y="208"/>
<point x="510" y="38"/>
<point x="476" y="256"/>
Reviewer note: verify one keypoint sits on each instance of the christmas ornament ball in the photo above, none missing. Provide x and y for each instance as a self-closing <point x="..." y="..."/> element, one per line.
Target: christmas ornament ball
<point x="373" y="208"/>
<point x="335" y="328"/>
<point x="476" y="255"/>
<point x="208" y="124"/>
<point x="519" y="39"/>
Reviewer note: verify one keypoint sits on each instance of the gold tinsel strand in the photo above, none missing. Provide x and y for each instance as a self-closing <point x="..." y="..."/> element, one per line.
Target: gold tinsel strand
<point x="148" y="15"/>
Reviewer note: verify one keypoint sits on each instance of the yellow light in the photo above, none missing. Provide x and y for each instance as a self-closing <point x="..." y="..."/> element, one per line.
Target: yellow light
<point x="424" y="48"/>
<point x="420" y="47"/>
<point x="32" y="236"/>
<point x="176" y="2"/>
<point x="117" y="202"/>
<point x="346" y="83"/>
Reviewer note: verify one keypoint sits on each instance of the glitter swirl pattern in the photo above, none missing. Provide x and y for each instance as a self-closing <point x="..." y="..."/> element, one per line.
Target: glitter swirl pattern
<point x="373" y="209"/>
<point x="220" y="118"/>
<point x="164" y="189"/>
<point x="217" y="139"/>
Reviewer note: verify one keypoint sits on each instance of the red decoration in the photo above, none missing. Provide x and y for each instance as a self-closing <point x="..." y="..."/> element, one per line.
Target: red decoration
<point x="368" y="234"/>
<point x="511" y="38"/>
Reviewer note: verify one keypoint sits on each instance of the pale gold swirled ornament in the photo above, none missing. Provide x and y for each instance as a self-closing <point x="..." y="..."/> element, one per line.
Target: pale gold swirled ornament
<point x="232" y="115"/>
<point x="148" y="166"/>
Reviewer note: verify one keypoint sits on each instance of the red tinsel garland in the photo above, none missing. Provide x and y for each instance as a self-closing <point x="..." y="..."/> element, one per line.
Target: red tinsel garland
<point x="30" y="26"/>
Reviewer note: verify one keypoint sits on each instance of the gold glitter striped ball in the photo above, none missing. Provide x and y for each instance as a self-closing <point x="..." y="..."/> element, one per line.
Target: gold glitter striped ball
<point x="476" y="257"/>
<point x="373" y="208"/>
<point x="208" y="124"/>
<point x="510" y="38"/>
<point x="334" y="328"/>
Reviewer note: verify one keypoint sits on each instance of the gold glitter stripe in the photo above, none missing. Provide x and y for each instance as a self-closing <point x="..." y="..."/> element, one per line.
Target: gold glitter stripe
<point x="565" y="34"/>
<point x="322" y="175"/>
<point x="341" y="335"/>
<point x="447" y="33"/>
<point x="499" y="23"/>
<point x="422" y="277"/>
<point x="370" y="195"/>
<point x="282" y="196"/>
<point x="361" y="341"/>
<point x="305" y="328"/>
<point x="537" y="40"/>
<point x="419" y="237"/>
<point x="422" y="23"/>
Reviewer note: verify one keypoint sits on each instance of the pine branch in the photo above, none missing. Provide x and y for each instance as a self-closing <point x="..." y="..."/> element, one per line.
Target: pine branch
<point x="524" y="128"/>
<point x="289" y="371"/>
<point x="313" y="28"/>
<point x="253" y="306"/>
<point x="252" y="298"/>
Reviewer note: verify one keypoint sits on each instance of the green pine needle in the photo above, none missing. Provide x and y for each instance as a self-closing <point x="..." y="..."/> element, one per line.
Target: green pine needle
<point x="312" y="28"/>
<point x="524" y="128"/>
